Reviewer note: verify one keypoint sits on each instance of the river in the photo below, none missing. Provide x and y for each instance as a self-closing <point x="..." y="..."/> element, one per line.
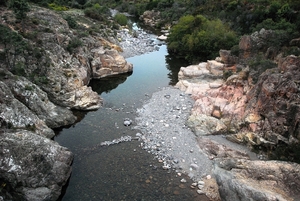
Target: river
<point x="122" y="171"/>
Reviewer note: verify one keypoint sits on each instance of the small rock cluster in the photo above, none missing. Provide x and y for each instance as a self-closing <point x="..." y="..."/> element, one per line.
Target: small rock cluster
<point x="126" y="138"/>
<point x="136" y="42"/>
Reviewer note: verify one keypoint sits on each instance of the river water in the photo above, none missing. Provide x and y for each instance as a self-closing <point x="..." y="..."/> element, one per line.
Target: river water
<point x="122" y="171"/>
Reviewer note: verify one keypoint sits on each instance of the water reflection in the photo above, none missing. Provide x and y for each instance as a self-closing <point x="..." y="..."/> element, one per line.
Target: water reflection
<point x="173" y="65"/>
<point x="109" y="83"/>
<point x="123" y="171"/>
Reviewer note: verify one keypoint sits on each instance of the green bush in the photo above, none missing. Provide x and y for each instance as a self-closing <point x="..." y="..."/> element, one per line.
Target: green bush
<point x="57" y="7"/>
<point x="97" y="12"/>
<point x="197" y="37"/>
<point x="73" y="44"/>
<point x="121" y="19"/>
<point x="71" y="22"/>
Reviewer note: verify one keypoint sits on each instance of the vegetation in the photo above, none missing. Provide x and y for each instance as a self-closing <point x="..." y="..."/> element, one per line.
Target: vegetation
<point x="121" y="19"/>
<point x="20" y="8"/>
<point x="198" y="36"/>
<point x="14" y="46"/>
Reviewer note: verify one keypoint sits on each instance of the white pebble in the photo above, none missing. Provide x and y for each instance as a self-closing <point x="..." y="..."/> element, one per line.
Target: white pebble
<point x="200" y="192"/>
<point x="183" y="181"/>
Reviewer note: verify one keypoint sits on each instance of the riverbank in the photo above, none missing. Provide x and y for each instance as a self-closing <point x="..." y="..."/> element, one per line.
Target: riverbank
<point x="226" y="170"/>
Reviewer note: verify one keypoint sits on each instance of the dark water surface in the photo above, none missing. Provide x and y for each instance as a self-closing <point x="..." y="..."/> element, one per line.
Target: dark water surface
<point x="123" y="171"/>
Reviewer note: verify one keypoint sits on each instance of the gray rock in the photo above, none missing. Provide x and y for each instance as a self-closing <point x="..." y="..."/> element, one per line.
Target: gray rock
<point x="33" y="166"/>
<point x="245" y="180"/>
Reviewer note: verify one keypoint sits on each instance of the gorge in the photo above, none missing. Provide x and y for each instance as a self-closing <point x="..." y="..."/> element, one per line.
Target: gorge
<point x="259" y="111"/>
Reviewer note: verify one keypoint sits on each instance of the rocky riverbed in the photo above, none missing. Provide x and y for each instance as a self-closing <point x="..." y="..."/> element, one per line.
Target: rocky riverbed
<point x="162" y="121"/>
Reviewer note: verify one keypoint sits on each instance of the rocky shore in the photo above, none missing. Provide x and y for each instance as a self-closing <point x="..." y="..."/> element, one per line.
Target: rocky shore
<point x="176" y="125"/>
<point x="195" y="130"/>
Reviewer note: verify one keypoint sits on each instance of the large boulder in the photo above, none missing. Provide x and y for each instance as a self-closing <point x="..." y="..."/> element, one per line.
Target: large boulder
<point x="245" y="180"/>
<point x="29" y="96"/>
<point x="32" y="167"/>
<point x="14" y="114"/>
<point x="109" y="62"/>
<point x="72" y="61"/>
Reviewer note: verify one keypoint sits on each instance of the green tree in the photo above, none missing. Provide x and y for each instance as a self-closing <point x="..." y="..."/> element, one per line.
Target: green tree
<point x="196" y="37"/>
<point x="13" y="44"/>
<point x="20" y="8"/>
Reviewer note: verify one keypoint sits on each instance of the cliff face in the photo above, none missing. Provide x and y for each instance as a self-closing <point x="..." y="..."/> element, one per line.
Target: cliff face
<point x="52" y="77"/>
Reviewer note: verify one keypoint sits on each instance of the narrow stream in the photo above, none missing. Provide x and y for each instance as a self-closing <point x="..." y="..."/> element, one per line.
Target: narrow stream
<point x="122" y="171"/>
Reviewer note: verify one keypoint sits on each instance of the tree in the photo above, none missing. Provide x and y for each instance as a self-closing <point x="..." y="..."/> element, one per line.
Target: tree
<point x="13" y="44"/>
<point x="197" y="37"/>
<point x="20" y="9"/>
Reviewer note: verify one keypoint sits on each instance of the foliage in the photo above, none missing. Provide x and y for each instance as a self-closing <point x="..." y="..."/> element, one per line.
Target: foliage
<point x="97" y="12"/>
<point x="20" y="8"/>
<point x="13" y="44"/>
<point x="57" y="7"/>
<point x="200" y="37"/>
<point x="121" y="19"/>
<point x="71" y="21"/>
<point x="73" y="44"/>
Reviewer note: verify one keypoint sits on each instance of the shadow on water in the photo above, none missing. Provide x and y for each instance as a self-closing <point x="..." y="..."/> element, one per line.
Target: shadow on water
<point x="173" y="65"/>
<point x="109" y="83"/>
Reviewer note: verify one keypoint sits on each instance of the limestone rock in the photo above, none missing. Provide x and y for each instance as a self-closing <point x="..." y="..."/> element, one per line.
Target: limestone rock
<point x="215" y="68"/>
<point x="32" y="167"/>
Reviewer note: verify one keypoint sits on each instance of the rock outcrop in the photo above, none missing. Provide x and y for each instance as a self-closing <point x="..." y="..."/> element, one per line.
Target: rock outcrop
<point x="52" y="77"/>
<point x="150" y="17"/>
<point x="242" y="179"/>
<point x="275" y="98"/>
<point x="32" y="167"/>
<point x="263" y="114"/>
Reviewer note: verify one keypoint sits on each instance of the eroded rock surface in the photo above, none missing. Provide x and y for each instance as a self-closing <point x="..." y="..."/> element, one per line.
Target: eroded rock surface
<point x="32" y="167"/>
<point x="263" y="115"/>
<point x="241" y="179"/>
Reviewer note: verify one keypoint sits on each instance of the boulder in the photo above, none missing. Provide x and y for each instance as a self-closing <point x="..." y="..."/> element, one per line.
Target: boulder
<point x="162" y="37"/>
<point x="227" y="58"/>
<point x="150" y="17"/>
<point x="215" y="68"/>
<point x="14" y="114"/>
<point x="205" y="125"/>
<point x="109" y="62"/>
<point x="36" y="100"/>
<point x="245" y="180"/>
<point x="32" y="167"/>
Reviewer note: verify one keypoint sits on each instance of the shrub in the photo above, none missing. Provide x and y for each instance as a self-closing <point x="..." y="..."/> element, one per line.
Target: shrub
<point x="73" y="44"/>
<point x="97" y="12"/>
<point x="121" y="19"/>
<point x="198" y="37"/>
<point x="71" y="22"/>
<point x="56" y="7"/>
